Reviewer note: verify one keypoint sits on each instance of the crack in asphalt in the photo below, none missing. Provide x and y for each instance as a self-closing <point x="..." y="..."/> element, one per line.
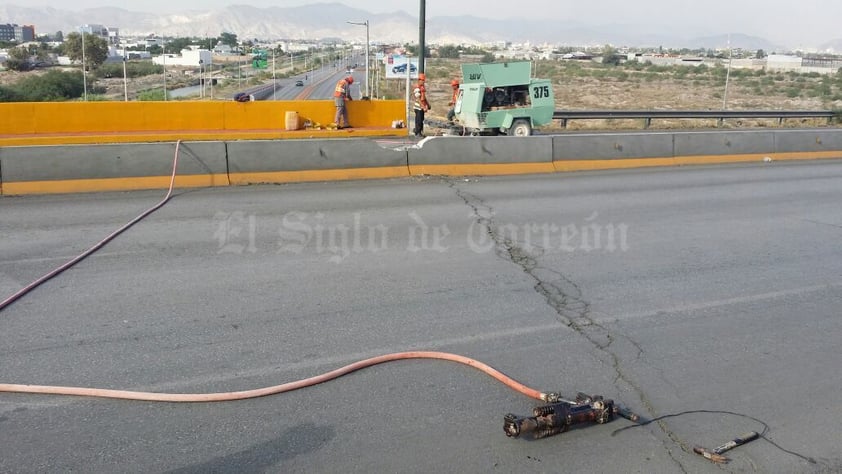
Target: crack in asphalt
<point x="567" y="300"/>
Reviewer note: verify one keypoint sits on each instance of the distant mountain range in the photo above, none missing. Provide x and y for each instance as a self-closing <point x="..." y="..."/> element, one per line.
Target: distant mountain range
<point x="329" y="20"/>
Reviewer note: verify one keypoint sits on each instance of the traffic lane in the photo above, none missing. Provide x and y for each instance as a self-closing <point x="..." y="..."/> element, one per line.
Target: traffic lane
<point x="722" y="224"/>
<point x="573" y="373"/>
<point x="759" y="357"/>
<point x="404" y="417"/>
<point x="739" y="263"/>
<point x="223" y="254"/>
<point x="315" y="85"/>
<point x="319" y="84"/>
<point x="180" y="316"/>
<point x="46" y="231"/>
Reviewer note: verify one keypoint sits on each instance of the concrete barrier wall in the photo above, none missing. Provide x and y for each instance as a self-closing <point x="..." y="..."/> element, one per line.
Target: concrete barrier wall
<point x="817" y="141"/>
<point x="114" y="117"/>
<point x="80" y="168"/>
<point x="481" y="155"/>
<point x="312" y="160"/>
<point x="612" y="146"/>
<point x="59" y="169"/>
<point x="572" y="152"/>
<point x="749" y="142"/>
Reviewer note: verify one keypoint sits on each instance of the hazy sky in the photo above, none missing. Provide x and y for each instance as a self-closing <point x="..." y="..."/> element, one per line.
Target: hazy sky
<point x="798" y="23"/>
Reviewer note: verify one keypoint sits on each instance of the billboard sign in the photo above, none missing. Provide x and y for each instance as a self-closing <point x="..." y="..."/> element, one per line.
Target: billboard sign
<point x="396" y="67"/>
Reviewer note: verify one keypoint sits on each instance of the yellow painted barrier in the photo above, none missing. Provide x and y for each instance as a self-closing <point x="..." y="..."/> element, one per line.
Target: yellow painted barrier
<point x="77" y="120"/>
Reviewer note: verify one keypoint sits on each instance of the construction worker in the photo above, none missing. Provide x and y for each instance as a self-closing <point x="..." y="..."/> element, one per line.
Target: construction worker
<point x="421" y="105"/>
<point x="341" y="94"/>
<point x="454" y="84"/>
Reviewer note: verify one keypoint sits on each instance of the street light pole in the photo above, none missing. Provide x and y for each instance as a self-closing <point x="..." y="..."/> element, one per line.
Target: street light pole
<point x="422" y="27"/>
<point x="84" y="68"/>
<point x="274" y="81"/>
<point x="367" y="47"/>
<point x="125" y="77"/>
<point x="164" y="64"/>
<point x="727" y="76"/>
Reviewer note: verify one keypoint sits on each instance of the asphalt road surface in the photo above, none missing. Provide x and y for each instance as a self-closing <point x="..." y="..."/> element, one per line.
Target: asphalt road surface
<point x="708" y="293"/>
<point x="319" y="84"/>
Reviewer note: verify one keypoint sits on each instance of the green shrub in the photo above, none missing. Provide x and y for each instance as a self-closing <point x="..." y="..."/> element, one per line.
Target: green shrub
<point x="52" y="86"/>
<point x="151" y="95"/>
<point x="635" y="65"/>
<point x="8" y="94"/>
<point x="822" y="90"/>
<point x="655" y="69"/>
<point x="599" y="73"/>
<point x="738" y="73"/>
<point x="143" y="68"/>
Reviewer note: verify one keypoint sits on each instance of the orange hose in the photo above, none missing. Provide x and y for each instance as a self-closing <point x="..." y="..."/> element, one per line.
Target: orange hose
<point x="286" y="387"/>
<point x="241" y="395"/>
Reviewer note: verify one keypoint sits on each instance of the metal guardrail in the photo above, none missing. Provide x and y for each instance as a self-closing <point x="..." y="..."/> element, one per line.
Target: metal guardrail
<point x="720" y="115"/>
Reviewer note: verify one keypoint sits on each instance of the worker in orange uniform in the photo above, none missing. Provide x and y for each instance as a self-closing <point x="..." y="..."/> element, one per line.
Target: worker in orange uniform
<point x="342" y="94"/>
<point x="421" y="105"/>
<point x="454" y="84"/>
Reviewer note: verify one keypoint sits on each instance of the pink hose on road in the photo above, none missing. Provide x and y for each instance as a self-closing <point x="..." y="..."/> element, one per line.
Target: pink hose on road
<point x="99" y="245"/>
<point x="239" y="395"/>
<point x="276" y="389"/>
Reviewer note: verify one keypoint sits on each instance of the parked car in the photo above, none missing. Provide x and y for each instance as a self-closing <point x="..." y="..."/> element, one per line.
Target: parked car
<point x="299" y="83"/>
<point x="402" y="68"/>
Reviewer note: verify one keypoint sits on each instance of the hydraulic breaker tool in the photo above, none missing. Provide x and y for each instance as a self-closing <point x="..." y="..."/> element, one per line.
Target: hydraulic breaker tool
<point x="558" y="416"/>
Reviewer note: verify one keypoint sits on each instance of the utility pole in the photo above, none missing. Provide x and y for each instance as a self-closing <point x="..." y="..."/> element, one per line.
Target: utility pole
<point x="274" y="81"/>
<point x="164" y="63"/>
<point x="125" y="77"/>
<point x="727" y="76"/>
<point x="422" y="22"/>
<point x="84" y="68"/>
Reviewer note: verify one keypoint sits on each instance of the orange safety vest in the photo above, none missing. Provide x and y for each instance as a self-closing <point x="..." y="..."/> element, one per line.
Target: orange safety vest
<point x="421" y="101"/>
<point x="340" y="89"/>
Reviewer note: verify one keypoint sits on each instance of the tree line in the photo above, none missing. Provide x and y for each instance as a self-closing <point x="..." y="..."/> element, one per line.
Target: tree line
<point x="24" y="58"/>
